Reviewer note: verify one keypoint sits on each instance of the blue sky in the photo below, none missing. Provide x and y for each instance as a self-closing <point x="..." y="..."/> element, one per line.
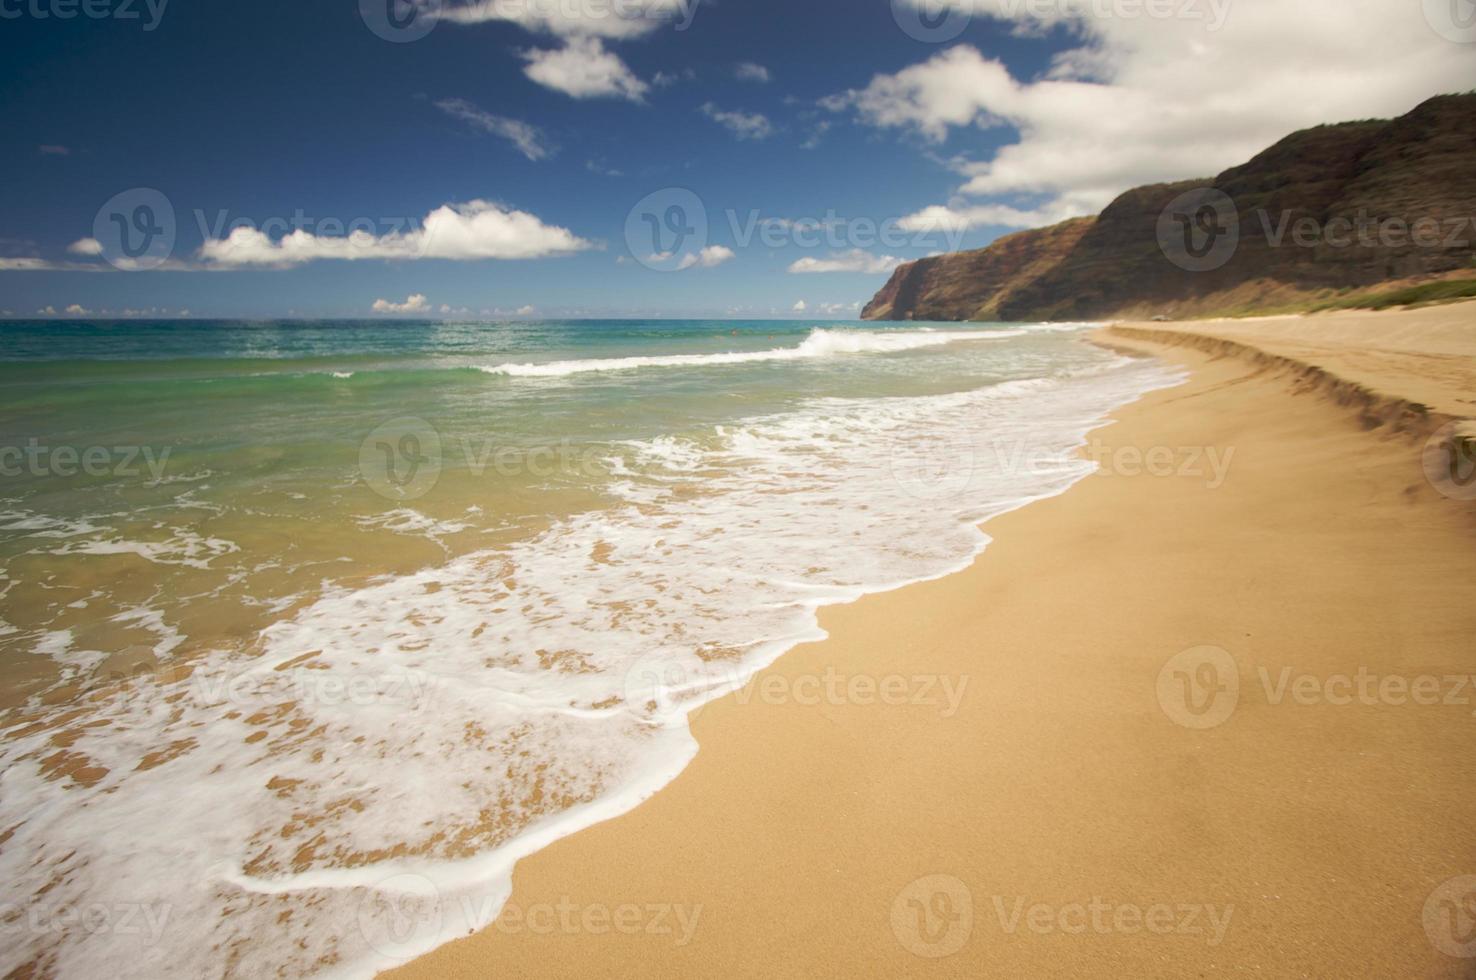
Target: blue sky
<point x="536" y="126"/>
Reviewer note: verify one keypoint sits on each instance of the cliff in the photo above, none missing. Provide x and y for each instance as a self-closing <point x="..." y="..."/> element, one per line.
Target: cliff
<point x="1322" y="212"/>
<point x="973" y="285"/>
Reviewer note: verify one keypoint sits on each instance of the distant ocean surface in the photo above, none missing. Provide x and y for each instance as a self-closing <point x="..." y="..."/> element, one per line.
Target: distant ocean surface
<point x="309" y="631"/>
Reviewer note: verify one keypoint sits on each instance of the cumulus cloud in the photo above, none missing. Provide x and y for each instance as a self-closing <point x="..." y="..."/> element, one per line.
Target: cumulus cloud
<point x="800" y="306"/>
<point x="954" y="88"/>
<point x="85" y="246"/>
<point x="73" y="309"/>
<point x="529" y="140"/>
<point x="577" y="18"/>
<point x="748" y="71"/>
<point x="583" y="69"/>
<point x="1147" y="98"/>
<point x="712" y="255"/>
<point x="461" y="232"/>
<point x="414" y="303"/>
<point x="961" y="217"/>
<point x="744" y="125"/>
<point x="856" y="260"/>
<point x="663" y="79"/>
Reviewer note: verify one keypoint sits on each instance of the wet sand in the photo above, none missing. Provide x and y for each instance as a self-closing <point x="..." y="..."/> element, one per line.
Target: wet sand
<point x="1210" y="712"/>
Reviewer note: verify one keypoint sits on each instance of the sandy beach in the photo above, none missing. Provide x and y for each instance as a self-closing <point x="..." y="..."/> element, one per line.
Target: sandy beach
<point x="1209" y="712"/>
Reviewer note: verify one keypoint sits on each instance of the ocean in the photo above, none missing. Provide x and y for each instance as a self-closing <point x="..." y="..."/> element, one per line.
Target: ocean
<point x="310" y="630"/>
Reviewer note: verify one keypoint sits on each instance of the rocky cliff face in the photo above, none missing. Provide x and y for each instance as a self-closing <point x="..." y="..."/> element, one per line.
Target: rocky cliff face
<point x="973" y="285"/>
<point x="1323" y="211"/>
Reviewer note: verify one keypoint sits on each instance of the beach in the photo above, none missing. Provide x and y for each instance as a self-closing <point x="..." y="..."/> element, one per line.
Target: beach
<point x="1207" y="712"/>
<point x="469" y="616"/>
<point x="900" y="488"/>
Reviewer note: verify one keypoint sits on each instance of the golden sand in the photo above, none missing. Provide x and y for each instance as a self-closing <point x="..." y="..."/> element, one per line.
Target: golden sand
<point x="1096" y="798"/>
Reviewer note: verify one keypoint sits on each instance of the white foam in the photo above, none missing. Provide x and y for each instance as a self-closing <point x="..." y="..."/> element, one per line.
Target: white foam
<point x="430" y="729"/>
<point x="55" y="644"/>
<point x="407" y="520"/>
<point x="182" y="547"/>
<point x="820" y="343"/>
<point x="42" y="526"/>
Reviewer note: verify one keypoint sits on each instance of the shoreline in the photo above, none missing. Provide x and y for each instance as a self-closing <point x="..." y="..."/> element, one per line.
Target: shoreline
<point x="1059" y="779"/>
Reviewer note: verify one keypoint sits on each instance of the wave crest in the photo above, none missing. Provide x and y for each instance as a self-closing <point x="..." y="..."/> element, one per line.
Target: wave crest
<point x="821" y="342"/>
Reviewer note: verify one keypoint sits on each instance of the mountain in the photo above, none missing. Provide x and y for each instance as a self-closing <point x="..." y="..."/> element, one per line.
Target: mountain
<point x="973" y="285"/>
<point x="1324" y="211"/>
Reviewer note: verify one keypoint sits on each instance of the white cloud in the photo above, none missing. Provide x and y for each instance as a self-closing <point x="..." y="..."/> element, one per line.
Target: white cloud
<point x="498" y="311"/>
<point x="529" y="140"/>
<point x="960" y="218"/>
<point x="76" y="309"/>
<point x="856" y="260"/>
<point x="833" y="309"/>
<point x="1142" y="99"/>
<point x="415" y="303"/>
<point x="583" y="69"/>
<point x="817" y="133"/>
<point x="662" y="79"/>
<point x="748" y="71"/>
<point x="744" y="125"/>
<point x="85" y="246"/>
<point x="577" y="18"/>
<point x="800" y="306"/>
<point x="47" y="311"/>
<point x="712" y="255"/>
<point x="950" y="89"/>
<point x="461" y="232"/>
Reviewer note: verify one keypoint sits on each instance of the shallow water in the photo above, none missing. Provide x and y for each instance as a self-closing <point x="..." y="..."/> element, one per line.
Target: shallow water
<point x="310" y="630"/>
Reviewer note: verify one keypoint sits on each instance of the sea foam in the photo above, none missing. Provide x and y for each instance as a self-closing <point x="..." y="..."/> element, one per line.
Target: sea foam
<point x="821" y="342"/>
<point x="356" y="789"/>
